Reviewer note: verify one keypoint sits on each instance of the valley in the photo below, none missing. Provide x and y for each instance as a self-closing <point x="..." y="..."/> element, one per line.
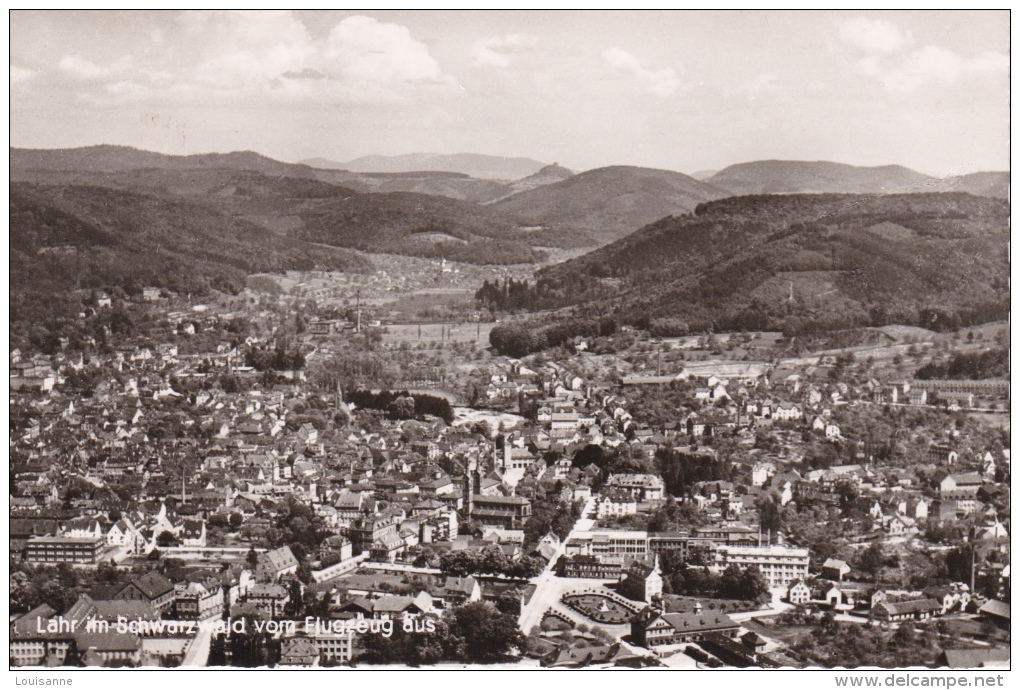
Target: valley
<point x="415" y="383"/>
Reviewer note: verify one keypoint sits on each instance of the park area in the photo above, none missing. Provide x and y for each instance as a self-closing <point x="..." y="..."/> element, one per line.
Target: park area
<point x="599" y="609"/>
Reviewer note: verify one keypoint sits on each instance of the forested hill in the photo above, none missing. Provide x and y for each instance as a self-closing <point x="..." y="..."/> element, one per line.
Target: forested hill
<point x="602" y="205"/>
<point x="806" y="177"/>
<point x="69" y="238"/>
<point x="800" y="263"/>
<point x="290" y="201"/>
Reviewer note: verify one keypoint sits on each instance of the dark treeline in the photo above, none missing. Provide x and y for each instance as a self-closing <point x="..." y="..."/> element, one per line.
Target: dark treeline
<point x="276" y="359"/>
<point x="968" y="365"/>
<point x="480" y="251"/>
<point x="680" y="471"/>
<point x="493" y="562"/>
<point x="512" y="295"/>
<point x="393" y="403"/>
<point x="526" y="337"/>
<point x="518" y="339"/>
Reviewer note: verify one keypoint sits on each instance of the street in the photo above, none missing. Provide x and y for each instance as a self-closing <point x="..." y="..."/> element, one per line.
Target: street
<point x="198" y="651"/>
<point x="548" y="587"/>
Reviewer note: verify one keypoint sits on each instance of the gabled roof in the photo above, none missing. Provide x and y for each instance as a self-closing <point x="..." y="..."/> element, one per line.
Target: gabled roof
<point x="29" y="623"/>
<point x="460" y="585"/>
<point x="968" y="479"/>
<point x="131" y="609"/>
<point x="698" y="622"/>
<point x="996" y="608"/>
<point x="298" y="651"/>
<point x="913" y="606"/>
<point x="976" y="658"/>
<point x="269" y="590"/>
<point x="392" y="603"/>
<point x="279" y="559"/>
<point x="108" y="642"/>
<point x="358" y="604"/>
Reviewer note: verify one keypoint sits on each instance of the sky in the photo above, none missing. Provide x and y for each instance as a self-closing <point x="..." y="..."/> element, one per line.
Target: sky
<point x="679" y="90"/>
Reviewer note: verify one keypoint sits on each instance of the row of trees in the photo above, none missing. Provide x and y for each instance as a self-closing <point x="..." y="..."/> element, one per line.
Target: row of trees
<point x="403" y="405"/>
<point x="550" y="514"/>
<point x="492" y="562"/>
<point x="521" y="339"/>
<point x="280" y="358"/>
<point x="680" y="470"/>
<point x="968" y="365"/>
<point x="510" y="295"/>
<point x="681" y="575"/>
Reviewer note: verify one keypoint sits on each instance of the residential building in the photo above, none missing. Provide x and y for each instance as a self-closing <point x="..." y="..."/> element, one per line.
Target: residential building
<point x="781" y="565"/>
<point x="71" y="550"/>
<point x="651" y="628"/>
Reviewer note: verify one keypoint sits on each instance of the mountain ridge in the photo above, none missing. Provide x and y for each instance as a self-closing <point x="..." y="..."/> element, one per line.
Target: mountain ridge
<point x="108" y="158"/>
<point x="776" y="176"/>
<point x="478" y="165"/>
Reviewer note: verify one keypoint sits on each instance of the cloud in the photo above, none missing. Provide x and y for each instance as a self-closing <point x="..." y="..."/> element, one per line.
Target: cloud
<point x="935" y="64"/>
<point x="369" y="51"/>
<point x="238" y="50"/>
<point x="874" y="36"/>
<point x="77" y="67"/>
<point x="663" y="82"/>
<point x="241" y="56"/>
<point x="20" y="75"/>
<point x="763" y="83"/>
<point x="497" y="51"/>
<point x="306" y="73"/>
<point x="887" y="58"/>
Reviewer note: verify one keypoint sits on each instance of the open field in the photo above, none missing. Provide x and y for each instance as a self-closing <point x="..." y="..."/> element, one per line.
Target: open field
<point x="466" y="332"/>
<point x="467" y="416"/>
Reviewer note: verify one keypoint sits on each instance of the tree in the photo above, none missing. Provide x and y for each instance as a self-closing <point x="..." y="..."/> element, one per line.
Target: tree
<point x="489" y="634"/>
<point x="166" y="539"/>
<point x="514" y="340"/>
<point x="770" y="516"/>
<point x="731" y="582"/>
<point x="434" y="639"/>
<point x="848" y="493"/>
<point x="959" y="562"/>
<point x="401" y="408"/>
<point x="871" y="560"/>
<point x="509" y="602"/>
<point x="24" y="593"/>
<point x="295" y="602"/>
<point x="753" y="585"/>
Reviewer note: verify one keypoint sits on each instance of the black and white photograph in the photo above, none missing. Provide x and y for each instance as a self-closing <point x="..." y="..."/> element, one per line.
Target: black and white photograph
<point x="384" y="340"/>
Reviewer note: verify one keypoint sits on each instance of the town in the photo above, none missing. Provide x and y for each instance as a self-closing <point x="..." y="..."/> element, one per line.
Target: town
<point x="192" y="482"/>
